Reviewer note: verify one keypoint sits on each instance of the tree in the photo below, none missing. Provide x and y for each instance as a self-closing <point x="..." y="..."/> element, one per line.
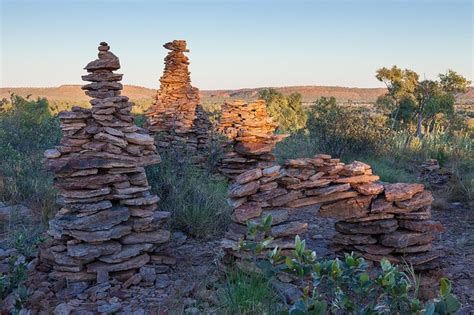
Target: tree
<point x="287" y="111"/>
<point x="424" y="100"/>
<point x="401" y="85"/>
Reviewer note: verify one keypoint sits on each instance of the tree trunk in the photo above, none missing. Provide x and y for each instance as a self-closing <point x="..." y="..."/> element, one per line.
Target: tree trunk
<point x="419" y="125"/>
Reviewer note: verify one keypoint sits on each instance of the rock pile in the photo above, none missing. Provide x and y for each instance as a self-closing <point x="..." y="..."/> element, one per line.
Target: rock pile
<point x="176" y="115"/>
<point x="375" y="219"/>
<point x="107" y="224"/>
<point x="249" y="130"/>
<point x="435" y="176"/>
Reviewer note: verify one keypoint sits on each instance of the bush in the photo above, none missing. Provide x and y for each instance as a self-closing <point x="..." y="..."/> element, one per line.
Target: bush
<point x="196" y="200"/>
<point x="27" y="128"/>
<point x="339" y="131"/>
<point x="345" y="286"/>
<point x="287" y="111"/>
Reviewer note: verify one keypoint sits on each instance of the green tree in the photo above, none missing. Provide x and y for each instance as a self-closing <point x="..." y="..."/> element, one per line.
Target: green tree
<point x="409" y="98"/>
<point x="287" y="111"/>
<point x="401" y="86"/>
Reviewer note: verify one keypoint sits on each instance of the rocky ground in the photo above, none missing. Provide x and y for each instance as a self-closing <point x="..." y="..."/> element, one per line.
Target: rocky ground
<point x="194" y="283"/>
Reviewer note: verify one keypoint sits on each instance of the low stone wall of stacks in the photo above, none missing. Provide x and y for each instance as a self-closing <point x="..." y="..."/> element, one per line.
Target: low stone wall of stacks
<point x="375" y="219"/>
<point x="249" y="131"/>
<point x="107" y="225"/>
<point x="176" y="115"/>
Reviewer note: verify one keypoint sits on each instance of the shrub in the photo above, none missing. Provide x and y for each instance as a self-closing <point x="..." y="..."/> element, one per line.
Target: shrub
<point x="339" y="131"/>
<point x="27" y="128"/>
<point x="345" y="286"/>
<point x="287" y="111"/>
<point x="196" y="200"/>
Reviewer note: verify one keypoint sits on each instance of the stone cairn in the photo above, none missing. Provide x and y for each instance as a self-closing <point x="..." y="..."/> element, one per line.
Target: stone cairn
<point x="176" y="114"/>
<point x="249" y="131"/>
<point x="375" y="219"/>
<point x="107" y="225"/>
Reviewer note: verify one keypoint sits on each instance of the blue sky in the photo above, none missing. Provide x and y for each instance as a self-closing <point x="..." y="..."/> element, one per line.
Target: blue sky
<point x="236" y="44"/>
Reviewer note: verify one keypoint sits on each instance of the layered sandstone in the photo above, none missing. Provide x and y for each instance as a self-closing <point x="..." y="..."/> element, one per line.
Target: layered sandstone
<point x="250" y="134"/>
<point x="375" y="219"/>
<point x="176" y="115"/>
<point x="108" y="223"/>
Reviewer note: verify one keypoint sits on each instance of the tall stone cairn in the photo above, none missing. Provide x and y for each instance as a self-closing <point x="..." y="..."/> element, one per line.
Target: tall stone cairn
<point x="249" y="131"/>
<point x="176" y="114"/>
<point x="107" y="223"/>
<point x="374" y="219"/>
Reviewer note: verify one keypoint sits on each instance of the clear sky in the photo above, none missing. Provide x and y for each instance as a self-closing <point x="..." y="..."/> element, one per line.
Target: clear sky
<point x="236" y="44"/>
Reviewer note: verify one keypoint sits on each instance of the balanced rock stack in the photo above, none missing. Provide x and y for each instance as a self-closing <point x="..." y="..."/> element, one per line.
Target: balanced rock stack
<point x="249" y="130"/>
<point x="107" y="224"/>
<point x="376" y="220"/>
<point x="175" y="114"/>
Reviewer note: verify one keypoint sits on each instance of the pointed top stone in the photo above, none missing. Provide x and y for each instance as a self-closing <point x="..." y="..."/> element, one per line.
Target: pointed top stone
<point x="177" y="45"/>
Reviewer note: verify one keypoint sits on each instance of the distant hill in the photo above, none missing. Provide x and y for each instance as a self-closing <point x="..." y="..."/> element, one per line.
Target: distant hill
<point x="73" y="93"/>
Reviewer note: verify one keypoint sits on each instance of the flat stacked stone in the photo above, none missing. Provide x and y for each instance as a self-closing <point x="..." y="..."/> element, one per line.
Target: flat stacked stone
<point x="107" y="223"/>
<point x="375" y="220"/>
<point x="396" y="224"/>
<point x="249" y="131"/>
<point x="176" y="115"/>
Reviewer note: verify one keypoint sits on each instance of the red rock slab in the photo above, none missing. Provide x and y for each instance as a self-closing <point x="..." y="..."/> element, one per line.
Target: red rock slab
<point x="419" y="200"/>
<point x="269" y="194"/>
<point x="402" y="191"/>
<point x="378" y="258"/>
<point x="422" y="214"/>
<point x="357" y="179"/>
<point x="299" y="163"/>
<point x="356" y="207"/>
<point x="403" y="238"/>
<point x="321" y="199"/>
<point x="380" y="205"/>
<point x="422" y="226"/>
<point x="245" y="212"/>
<point x="422" y="258"/>
<point x="248" y="176"/>
<point x="328" y="190"/>
<point x="368" y="188"/>
<point x="354" y="168"/>
<point x="414" y="249"/>
<point x="285" y="199"/>
<point x="370" y="227"/>
<point x="372" y="217"/>
<point x="289" y="229"/>
<point x="253" y="148"/>
<point x="237" y="190"/>
<point x="133" y="263"/>
<point x="310" y="184"/>
<point x="374" y="249"/>
<point x="353" y="239"/>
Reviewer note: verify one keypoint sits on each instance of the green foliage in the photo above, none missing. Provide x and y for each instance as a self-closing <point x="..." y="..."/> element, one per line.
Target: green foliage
<point x="196" y="200"/>
<point x="287" y="111"/>
<point x="13" y="279"/>
<point x="248" y="293"/>
<point x="340" y="131"/>
<point x="27" y="128"/>
<point x="427" y="100"/>
<point x="345" y="286"/>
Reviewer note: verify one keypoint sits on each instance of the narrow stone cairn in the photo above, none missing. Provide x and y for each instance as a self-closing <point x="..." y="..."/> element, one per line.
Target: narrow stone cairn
<point x="375" y="219"/>
<point x="107" y="224"/>
<point x="176" y="115"/>
<point x="249" y="131"/>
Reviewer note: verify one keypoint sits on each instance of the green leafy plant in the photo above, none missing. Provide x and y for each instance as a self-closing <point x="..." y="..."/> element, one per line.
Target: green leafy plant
<point x="345" y="285"/>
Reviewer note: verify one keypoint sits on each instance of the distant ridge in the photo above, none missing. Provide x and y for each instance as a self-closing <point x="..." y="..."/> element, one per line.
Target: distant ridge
<point x="310" y="93"/>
